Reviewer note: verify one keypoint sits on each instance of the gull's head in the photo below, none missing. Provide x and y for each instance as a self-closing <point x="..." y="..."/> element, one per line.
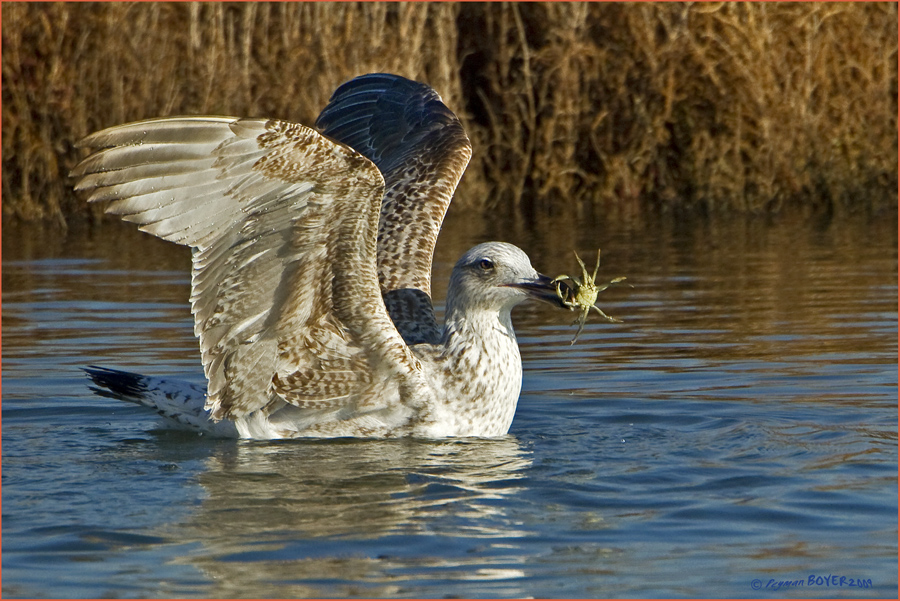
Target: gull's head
<point x="496" y="276"/>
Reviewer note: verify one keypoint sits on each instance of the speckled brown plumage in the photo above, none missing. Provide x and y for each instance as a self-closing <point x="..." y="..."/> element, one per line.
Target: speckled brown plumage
<point x="422" y="150"/>
<point x="311" y="266"/>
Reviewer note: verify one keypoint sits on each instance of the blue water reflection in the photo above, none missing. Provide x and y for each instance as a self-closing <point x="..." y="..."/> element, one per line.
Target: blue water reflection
<point x="737" y="431"/>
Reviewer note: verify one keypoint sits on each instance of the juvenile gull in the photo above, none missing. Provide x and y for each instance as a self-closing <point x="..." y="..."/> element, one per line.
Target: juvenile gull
<point x="312" y="253"/>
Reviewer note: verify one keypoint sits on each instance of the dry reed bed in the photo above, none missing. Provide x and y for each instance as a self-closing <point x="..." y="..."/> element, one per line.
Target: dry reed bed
<point x="620" y="106"/>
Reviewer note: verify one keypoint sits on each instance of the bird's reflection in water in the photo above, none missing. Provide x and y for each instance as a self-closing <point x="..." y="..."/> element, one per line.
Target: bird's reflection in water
<point x="285" y="517"/>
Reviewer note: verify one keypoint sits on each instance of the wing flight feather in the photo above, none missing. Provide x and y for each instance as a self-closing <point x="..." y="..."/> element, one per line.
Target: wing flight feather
<point x="282" y="223"/>
<point x="422" y="150"/>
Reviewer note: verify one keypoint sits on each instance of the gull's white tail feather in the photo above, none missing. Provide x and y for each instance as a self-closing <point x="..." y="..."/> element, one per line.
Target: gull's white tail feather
<point x="180" y="403"/>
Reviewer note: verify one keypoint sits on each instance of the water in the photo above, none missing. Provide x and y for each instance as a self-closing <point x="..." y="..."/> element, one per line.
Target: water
<point x="738" y="430"/>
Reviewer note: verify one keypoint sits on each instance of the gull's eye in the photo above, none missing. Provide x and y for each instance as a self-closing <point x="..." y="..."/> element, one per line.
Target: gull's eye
<point x="486" y="264"/>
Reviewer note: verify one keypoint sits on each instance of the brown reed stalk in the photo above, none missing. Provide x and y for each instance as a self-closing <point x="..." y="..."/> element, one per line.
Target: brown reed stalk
<point x="727" y="106"/>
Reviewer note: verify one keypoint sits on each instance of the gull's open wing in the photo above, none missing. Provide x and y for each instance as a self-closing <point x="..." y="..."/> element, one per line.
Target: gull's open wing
<point x="282" y="222"/>
<point x="422" y="150"/>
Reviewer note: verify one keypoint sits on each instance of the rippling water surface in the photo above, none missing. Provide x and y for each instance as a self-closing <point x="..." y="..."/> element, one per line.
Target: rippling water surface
<point x="737" y="431"/>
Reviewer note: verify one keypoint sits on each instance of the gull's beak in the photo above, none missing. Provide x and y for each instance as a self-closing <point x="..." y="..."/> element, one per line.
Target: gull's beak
<point x="544" y="288"/>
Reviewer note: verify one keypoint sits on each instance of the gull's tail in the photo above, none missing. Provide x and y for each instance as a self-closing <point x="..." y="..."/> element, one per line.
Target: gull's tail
<point x="179" y="403"/>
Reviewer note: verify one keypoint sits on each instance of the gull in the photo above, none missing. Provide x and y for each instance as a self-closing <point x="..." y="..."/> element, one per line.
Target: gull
<point x="311" y="270"/>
